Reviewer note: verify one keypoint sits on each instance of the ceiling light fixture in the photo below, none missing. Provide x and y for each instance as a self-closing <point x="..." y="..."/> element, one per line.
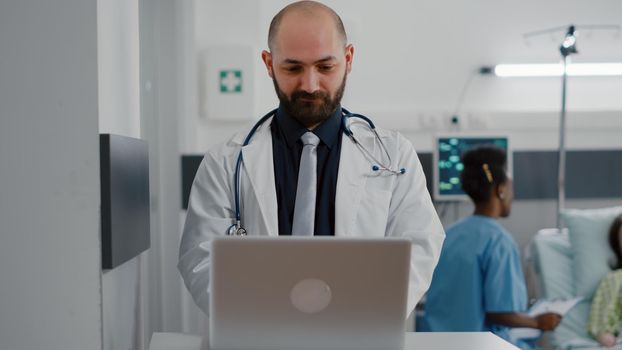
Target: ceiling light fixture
<point x="554" y="70"/>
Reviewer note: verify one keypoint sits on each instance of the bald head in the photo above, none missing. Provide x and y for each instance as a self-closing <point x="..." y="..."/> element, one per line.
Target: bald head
<point x="308" y="9"/>
<point x="308" y="61"/>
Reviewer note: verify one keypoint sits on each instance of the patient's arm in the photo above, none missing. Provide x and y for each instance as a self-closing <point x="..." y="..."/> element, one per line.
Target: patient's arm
<point x="546" y="322"/>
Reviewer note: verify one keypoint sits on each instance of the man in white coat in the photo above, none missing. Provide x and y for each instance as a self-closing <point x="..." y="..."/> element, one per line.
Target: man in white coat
<point x="308" y="61"/>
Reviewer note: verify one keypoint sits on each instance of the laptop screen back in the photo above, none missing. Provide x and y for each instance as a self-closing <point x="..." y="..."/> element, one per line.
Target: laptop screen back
<point x="308" y="293"/>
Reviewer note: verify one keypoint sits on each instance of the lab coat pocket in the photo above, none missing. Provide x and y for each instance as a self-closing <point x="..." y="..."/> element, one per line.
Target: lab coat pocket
<point x="371" y="219"/>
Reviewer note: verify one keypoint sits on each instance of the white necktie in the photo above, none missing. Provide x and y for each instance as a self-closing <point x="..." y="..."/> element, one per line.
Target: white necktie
<point x="306" y="190"/>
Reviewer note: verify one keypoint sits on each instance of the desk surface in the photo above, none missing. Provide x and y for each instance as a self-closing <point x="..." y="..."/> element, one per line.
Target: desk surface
<point x="419" y="341"/>
<point x="453" y="341"/>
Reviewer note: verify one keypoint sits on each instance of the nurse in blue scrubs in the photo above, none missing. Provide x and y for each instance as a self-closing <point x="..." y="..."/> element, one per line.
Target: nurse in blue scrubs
<point x="478" y="284"/>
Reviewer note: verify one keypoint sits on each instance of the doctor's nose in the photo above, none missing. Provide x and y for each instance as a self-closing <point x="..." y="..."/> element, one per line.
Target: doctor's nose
<point x="310" y="82"/>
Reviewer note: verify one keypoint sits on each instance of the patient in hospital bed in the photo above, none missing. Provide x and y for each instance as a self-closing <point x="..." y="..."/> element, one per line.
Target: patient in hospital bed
<point x="605" y="323"/>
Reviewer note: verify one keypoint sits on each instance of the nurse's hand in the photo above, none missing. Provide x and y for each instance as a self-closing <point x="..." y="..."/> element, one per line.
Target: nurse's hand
<point x="548" y="321"/>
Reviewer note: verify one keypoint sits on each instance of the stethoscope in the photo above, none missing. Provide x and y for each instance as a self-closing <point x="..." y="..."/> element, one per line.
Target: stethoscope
<point x="377" y="166"/>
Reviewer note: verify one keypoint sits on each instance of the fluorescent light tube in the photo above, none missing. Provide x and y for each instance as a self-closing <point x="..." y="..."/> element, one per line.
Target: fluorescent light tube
<point x="556" y="70"/>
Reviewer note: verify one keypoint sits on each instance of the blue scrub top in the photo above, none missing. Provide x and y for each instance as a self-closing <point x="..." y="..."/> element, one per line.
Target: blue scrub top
<point x="479" y="271"/>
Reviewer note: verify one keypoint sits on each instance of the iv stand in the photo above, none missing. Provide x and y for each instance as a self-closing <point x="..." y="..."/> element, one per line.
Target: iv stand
<point x="566" y="49"/>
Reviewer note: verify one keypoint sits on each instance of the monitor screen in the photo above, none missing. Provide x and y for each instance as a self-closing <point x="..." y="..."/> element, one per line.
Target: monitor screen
<point x="125" y="210"/>
<point x="448" y="164"/>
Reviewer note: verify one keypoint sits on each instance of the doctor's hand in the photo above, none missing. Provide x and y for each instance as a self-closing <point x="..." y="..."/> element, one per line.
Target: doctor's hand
<point x="548" y="321"/>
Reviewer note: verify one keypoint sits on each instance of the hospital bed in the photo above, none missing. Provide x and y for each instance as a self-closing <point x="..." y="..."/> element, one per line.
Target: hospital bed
<point x="553" y="258"/>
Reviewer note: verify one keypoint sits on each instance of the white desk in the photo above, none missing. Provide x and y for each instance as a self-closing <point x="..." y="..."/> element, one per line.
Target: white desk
<point x="456" y="341"/>
<point x="414" y="341"/>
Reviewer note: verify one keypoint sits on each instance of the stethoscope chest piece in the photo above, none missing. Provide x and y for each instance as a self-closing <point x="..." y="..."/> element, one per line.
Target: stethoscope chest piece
<point x="236" y="230"/>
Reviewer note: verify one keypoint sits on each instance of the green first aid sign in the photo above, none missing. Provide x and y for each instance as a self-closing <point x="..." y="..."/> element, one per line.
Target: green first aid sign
<point x="231" y="81"/>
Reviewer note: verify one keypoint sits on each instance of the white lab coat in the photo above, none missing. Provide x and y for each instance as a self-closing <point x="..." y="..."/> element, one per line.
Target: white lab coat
<point x="367" y="203"/>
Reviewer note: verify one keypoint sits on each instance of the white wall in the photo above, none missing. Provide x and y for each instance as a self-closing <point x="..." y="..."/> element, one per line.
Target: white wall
<point x="165" y="74"/>
<point x="50" y="287"/>
<point x="124" y="291"/>
<point x="164" y="36"/>
<point x="118" y="67"/>
<point x="412" y="59"/>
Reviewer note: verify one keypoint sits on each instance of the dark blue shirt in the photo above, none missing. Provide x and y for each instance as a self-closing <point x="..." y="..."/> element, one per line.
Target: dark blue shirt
<point x="287" y="150"/>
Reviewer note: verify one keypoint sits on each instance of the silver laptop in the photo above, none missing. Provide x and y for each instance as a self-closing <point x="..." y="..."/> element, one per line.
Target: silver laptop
<point x="291" y="293"/>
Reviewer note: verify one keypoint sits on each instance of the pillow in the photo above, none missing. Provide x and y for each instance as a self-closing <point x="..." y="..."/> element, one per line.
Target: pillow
<point x="588" y="231"/>
<point x="553" y="263"/>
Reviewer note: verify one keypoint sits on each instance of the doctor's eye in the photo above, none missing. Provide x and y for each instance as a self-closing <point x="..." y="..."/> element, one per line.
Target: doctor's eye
<point x="292" y="69"/>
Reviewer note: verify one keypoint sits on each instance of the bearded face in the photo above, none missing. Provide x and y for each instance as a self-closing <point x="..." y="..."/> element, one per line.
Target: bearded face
<point x="310" y="109"/>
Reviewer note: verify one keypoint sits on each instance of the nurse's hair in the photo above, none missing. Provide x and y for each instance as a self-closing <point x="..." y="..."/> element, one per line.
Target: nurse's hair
<point x="614" y="241"/>
<point x="309" y="8"/>
<point x="484" y="168"/>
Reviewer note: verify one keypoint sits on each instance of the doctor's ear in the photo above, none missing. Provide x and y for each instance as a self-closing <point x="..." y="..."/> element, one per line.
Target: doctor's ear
<point x="267" y="60"/>
<point x="349" y="54"/>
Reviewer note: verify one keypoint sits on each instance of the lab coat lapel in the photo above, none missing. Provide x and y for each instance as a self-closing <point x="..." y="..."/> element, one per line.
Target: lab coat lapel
<point x="354" y="169"/>
<point x="258" y="166"/>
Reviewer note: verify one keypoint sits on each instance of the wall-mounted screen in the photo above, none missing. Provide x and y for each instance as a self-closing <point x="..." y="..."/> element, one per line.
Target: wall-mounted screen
<point x="448" y="150"/>
<point x="125" y="199"/>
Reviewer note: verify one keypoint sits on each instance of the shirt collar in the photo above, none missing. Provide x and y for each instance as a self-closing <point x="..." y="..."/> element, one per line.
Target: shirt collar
<point x="328" y="131"/>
